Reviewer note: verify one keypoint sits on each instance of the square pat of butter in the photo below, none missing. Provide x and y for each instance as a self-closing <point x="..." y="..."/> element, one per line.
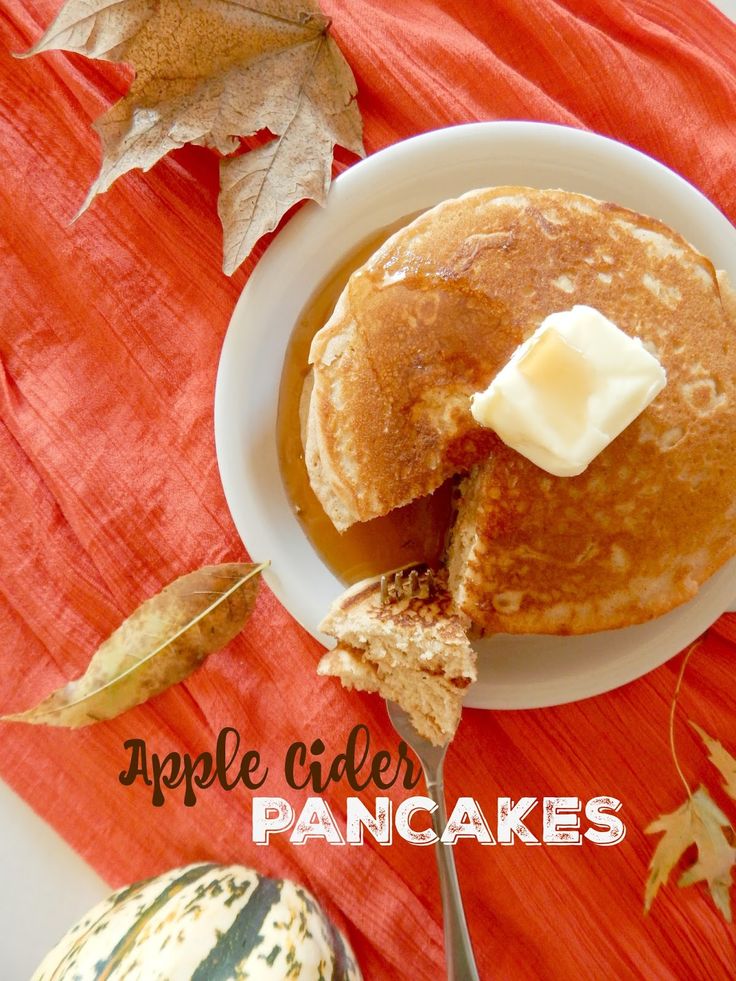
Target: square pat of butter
<point x="569" y="390"/>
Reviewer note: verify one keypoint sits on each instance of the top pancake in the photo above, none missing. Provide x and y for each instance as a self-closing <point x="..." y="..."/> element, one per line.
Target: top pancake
<point x="434" y="315"/>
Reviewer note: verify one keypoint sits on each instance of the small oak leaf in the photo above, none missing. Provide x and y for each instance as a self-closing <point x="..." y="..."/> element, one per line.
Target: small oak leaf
<point x="698" y="822"/>
<point x="720" y="758"/>
<point x="209" y="72"/>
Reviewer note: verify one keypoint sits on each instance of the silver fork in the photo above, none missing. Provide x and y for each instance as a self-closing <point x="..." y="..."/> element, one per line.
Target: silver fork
<point x="458" y="948"/>
<point x="409" y="582"/>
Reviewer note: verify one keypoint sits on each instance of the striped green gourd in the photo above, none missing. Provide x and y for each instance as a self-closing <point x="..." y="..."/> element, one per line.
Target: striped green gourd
<point x="204" y="922"/>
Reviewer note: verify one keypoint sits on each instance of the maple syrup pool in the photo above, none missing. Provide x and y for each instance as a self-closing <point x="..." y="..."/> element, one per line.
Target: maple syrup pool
<point x="414" y="533"/>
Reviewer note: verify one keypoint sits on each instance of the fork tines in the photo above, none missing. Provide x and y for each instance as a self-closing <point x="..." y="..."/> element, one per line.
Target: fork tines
<point x="405" y="584"/>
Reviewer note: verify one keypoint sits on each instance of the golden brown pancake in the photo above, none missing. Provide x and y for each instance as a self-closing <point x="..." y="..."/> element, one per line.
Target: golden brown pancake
<point x="434" y="315"/>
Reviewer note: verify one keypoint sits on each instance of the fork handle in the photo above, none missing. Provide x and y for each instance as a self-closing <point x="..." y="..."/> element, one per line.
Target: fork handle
<point x="458" y="948"/>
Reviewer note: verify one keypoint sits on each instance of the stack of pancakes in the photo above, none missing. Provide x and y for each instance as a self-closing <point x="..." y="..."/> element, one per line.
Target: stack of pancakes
<point x="437" y="312"/>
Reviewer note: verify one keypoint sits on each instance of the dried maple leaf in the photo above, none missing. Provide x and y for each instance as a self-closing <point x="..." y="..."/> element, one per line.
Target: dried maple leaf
<point x="209" y="71"/>
<point x="720" y="758"/>
<point x="698" y="822"/>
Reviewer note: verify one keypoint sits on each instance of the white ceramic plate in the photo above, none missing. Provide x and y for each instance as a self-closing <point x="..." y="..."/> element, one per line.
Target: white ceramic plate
<point x="515" y="672"/>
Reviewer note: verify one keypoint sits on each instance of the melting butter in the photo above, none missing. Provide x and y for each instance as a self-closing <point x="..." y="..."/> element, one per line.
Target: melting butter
<point x="569" y="390"/>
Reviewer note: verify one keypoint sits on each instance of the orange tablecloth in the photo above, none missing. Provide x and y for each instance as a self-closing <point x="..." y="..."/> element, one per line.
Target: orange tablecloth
<point x="111" y="331"/>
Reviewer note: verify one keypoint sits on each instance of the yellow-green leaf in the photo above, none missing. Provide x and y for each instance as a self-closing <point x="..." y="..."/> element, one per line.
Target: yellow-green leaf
<point x="159" y="645"/>
<point x="702" y="823"/>
<point x="721" y="759"/>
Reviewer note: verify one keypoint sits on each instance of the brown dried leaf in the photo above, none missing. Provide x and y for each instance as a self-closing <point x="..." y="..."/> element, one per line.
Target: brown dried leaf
<point x="209" y="71"/>
<point x="258" y="188"/>
<point x="720" y="758"/>
<point x="159" y="645"/>
<point x="698" y="822"/>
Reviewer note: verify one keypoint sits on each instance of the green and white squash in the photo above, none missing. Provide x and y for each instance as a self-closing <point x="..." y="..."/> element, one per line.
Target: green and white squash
<point x="204" y="922"/>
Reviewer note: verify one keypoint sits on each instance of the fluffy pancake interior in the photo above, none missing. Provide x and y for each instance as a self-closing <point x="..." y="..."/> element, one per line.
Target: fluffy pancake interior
<point x="433" y="702"/>
<point x="413" y="651"/>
